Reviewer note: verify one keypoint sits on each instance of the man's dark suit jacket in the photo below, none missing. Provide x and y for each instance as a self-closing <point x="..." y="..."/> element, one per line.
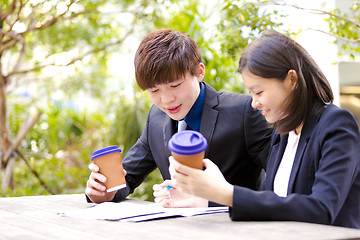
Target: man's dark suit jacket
<point x="324" y="185"/>
<point x="238" y="140"/>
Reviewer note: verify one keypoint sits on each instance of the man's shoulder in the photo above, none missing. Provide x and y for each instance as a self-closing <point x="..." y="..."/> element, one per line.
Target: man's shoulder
<point x="235" y="96"/>
<point x="227" y="97"/>
<point x="155" y="111"/>
<point x="236" y="99"/>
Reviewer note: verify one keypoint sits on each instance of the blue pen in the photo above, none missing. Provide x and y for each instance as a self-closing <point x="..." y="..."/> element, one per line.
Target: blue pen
<point x="164" y="190"/>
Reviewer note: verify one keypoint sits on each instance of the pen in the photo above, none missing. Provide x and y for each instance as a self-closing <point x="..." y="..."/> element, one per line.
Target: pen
<point x="164" y="190"/>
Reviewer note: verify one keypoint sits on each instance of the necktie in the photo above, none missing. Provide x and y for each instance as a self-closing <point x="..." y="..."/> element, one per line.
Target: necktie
<point x="181" y="125"/>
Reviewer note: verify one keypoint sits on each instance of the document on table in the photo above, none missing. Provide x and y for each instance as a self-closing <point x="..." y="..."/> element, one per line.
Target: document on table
<point x="130" y="212"/>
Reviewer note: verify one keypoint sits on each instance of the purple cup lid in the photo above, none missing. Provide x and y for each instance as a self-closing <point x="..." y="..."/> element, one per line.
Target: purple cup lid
<point x="187" y="143"/>
<point x="105" y="151"/>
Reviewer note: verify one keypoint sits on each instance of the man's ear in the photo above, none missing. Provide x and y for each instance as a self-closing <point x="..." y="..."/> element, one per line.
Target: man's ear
<point x="201" y="72"/>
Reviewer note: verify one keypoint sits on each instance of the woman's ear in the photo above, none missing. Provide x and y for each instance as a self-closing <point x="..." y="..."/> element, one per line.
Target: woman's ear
<point x="293" y="78"/>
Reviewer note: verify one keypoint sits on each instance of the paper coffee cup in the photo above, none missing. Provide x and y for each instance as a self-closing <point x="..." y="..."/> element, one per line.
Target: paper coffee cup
<point x="110" y="165"/>
<point x="188" y="147"/>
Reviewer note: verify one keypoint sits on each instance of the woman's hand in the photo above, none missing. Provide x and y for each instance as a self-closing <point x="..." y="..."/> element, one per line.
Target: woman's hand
<point x="174" y="197"/>
<point x="209" y="184"/>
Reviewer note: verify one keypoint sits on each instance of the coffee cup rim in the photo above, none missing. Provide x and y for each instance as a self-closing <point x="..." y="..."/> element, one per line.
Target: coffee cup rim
<point x="104" y="151"/>
<point x="187" y="142"/>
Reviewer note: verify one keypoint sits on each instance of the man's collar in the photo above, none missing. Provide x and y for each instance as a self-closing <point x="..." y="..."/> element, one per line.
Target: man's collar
<point x="193" y="118"/>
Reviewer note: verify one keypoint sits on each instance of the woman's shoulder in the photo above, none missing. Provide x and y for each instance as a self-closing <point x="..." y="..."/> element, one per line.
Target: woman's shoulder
<point x="336" y="117"/>
<point x="331" y="111"/>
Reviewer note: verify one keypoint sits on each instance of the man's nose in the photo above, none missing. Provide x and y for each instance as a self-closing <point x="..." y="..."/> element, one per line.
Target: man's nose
<point x="167" y="97"/>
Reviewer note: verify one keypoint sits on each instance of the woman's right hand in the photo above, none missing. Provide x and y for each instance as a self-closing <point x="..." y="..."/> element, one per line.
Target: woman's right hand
<point x="175" y="198"/>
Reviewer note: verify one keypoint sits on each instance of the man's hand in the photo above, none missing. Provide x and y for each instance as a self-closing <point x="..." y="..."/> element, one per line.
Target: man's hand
<point x="95" y="188"/>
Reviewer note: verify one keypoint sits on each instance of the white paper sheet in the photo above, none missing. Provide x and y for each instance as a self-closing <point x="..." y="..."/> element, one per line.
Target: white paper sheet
<point x="130" y="212"/>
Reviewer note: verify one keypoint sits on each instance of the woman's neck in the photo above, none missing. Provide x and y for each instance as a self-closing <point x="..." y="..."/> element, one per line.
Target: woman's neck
<point x="298" y="129"/>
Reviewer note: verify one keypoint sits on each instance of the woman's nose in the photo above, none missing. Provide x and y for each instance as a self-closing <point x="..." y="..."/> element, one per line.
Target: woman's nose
<point x="255" y="103"/>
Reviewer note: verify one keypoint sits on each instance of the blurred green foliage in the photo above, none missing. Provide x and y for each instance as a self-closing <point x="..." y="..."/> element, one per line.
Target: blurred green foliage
<point x="346" y="25"/>
<point x="59" y="147"/>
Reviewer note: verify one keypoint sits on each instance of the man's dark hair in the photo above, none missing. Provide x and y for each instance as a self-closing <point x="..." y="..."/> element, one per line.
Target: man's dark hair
<point x="164" y="56"/>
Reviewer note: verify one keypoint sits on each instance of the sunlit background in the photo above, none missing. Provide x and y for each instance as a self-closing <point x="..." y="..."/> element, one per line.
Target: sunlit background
<point x="94" y="102"/>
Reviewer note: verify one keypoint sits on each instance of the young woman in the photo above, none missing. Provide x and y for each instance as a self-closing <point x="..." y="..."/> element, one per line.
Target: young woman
<point x="312" y="171"/>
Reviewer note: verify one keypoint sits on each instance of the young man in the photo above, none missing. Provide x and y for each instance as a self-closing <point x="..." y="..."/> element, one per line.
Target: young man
<point x="168" y="64"/>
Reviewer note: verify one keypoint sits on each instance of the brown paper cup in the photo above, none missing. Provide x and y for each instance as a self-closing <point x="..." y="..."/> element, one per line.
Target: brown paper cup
<point x="188" y="147"/>
<point x="194" y="161"/>
<point x="110" y="165"/>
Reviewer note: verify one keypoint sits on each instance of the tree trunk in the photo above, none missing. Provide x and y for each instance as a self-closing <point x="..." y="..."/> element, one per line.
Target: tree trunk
<point x="4" y="125"/>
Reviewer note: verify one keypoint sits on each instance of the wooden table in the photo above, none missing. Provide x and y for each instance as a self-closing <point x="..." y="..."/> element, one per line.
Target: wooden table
<point x="36" y="217"/>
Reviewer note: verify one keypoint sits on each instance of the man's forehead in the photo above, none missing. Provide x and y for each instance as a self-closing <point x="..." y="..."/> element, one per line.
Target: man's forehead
<point x="171" y="80"/>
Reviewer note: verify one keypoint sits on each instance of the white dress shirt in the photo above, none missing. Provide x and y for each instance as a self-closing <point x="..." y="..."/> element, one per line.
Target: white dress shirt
<point x="282" y="177"/>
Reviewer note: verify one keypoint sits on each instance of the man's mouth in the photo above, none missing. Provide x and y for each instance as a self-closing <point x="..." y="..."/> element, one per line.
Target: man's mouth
<point x="174" y="110"/>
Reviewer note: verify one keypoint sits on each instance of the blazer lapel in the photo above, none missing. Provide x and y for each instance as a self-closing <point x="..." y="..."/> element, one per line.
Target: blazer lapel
<point x="277" y="150"/>
<point x="304" y="139"/>
<point x="209" y="115"/>
<point x="297" y="161"/>
<point x="168" y="131"/>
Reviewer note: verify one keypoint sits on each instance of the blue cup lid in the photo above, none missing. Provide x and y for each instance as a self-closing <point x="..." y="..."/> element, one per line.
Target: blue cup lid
<point x="187" y="143"/>
<point x="105" y="151"/>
